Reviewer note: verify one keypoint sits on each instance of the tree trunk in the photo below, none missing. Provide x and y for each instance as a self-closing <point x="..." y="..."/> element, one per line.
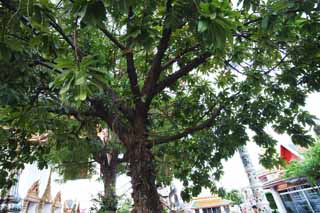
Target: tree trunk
<point x="108" y="171"/>
<point x="145" y="196"/>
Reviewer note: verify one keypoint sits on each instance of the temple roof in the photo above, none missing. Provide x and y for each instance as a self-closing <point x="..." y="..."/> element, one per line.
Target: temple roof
<point x="46" y="197"/>
<point x="57" y="200"/>
<point x="208" y="202"/>
<point x="33" y="192"/>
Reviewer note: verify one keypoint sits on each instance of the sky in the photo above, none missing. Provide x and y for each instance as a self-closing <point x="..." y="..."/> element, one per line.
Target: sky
<point x="83" y="191"/>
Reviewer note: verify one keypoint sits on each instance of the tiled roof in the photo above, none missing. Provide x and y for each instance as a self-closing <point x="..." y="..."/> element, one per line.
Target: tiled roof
<point x="208" y="202"/>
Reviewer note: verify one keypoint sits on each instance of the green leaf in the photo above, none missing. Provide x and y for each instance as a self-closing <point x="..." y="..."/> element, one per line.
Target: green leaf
<point x="95" y="13"/>
<point x="60" y="79"/>
<point x="81" y="79"/>
<point x="66" y="87"/>
<point x="202" y="26"/>
<point x="67" y="63"/>
<point x="82" y="93"/>
<point x="265" y="22"/>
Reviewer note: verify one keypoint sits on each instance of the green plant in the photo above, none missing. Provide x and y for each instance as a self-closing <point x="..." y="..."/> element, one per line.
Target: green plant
<point x="308" y="167"/>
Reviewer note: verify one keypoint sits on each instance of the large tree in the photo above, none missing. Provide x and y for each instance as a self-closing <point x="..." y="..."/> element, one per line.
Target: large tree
<point x="174" y="79"/>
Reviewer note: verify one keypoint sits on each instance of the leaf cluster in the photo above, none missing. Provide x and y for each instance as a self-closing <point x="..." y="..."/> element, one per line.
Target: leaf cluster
<point x="308" y="167"/>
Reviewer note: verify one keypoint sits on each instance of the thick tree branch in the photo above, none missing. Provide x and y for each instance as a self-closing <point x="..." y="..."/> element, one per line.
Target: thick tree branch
<point x="110" y="118"/>
<point x="204" y="125"/>
<point x="155" y="70"/>
<point x="126" y="111"/>
<point x="171" y="79"/>
<point x="131" y="69"/>
<point x="178" y="56"/>
<point x="59" y="29"/>
<point x="133" y="78"/>
<point x="114" y="40"/>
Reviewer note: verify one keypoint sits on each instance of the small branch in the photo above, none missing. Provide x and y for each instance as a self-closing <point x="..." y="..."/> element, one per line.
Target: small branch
<point x="63" y="163"/>
<point x="178" y="56"/>
<point x="75" y="44"/>
<point x="171" y="79"/>
<point x="57" y="27"/>
<point x="47" y="65"/>
<point x="19" y="37"/>
<point x="205" y="124"/>
<point x="114" y="40"/>
<point x="227" y="63"/>
<point x="125" y="110"/>
<point x="277" y="65"/>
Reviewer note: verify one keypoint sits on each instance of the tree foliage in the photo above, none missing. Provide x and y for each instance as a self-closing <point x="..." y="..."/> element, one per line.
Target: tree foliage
<point x="177" y="81"/>
<point x="15" y="152"/>
<point x="308" y="167"/>
<point x="234" y="196"/>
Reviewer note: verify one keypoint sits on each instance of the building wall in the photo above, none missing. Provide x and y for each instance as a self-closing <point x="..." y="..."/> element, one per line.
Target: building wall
<point x="32" y="208"/>
<point x="47" y="208"/>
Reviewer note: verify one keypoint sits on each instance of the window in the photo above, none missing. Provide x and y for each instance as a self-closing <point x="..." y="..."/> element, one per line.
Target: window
<point x="300" y="202"/>
<point x="211" y="210"/>
<point x="287" y="201"/>
<point x="216" y="210"/>
<point x="226" y="209"/>
<point x="313" y="196"/>
<point x="207" y="210"/>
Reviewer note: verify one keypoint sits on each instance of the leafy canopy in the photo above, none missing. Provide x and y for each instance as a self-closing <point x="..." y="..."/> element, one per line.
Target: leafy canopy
<point x="309" y="167"/>
<point x="198" y="73"/>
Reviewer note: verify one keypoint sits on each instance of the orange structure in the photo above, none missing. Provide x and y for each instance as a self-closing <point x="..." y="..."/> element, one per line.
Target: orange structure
<point x="211" y="204"/>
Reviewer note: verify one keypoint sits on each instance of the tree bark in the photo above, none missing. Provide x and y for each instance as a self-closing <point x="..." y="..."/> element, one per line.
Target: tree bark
<point x="108" y="171"/>
<point x="141" y="169"/>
